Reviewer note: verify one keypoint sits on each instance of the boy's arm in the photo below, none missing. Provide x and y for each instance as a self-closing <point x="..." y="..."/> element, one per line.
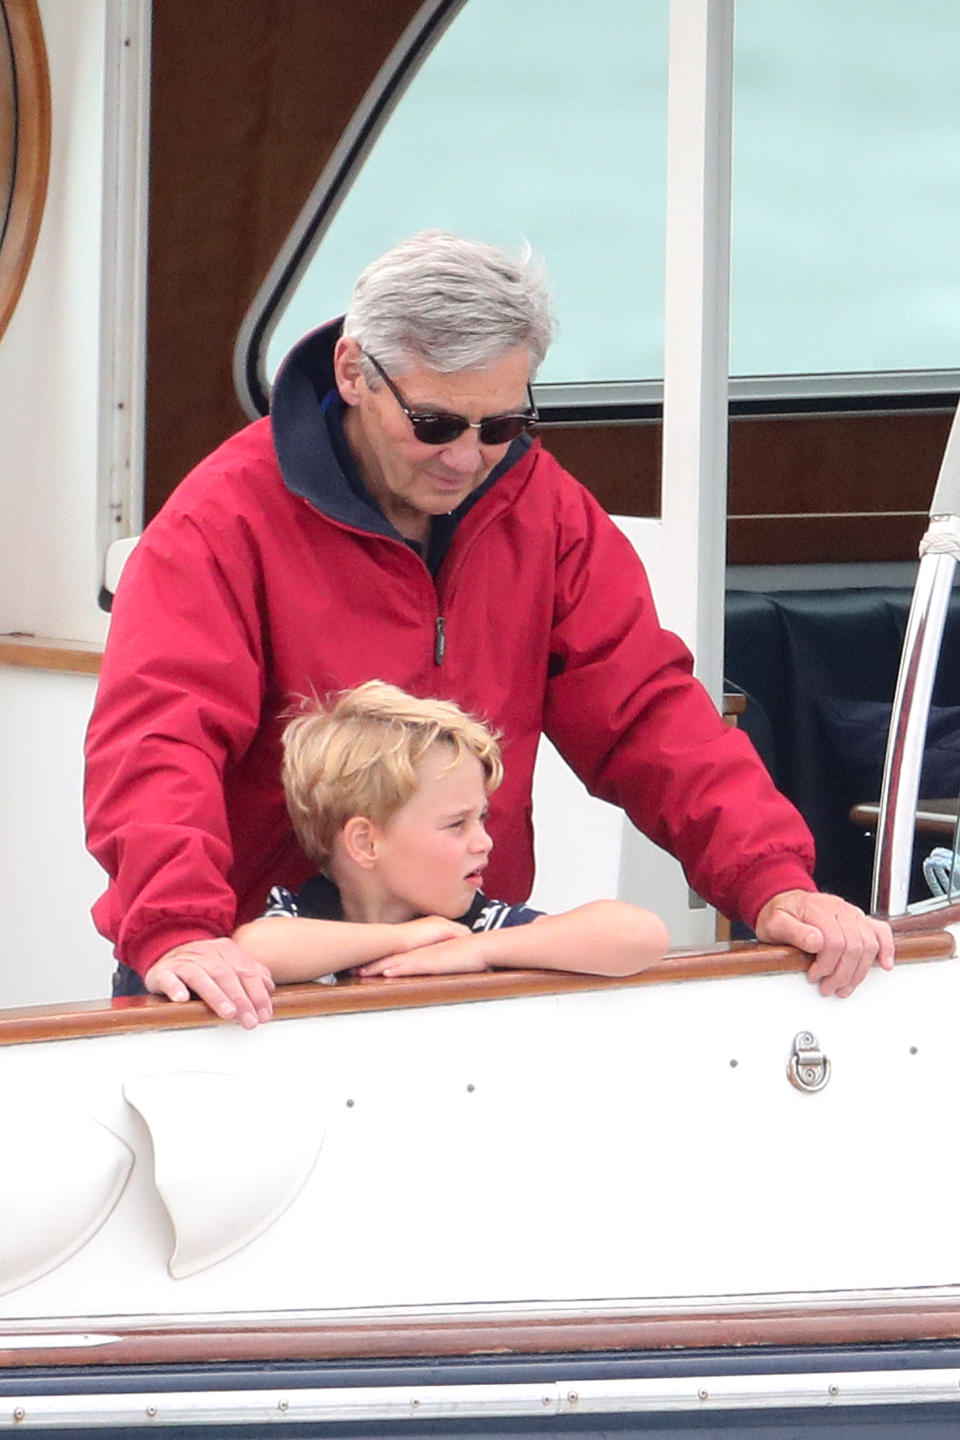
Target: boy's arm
<point x="604" y="937"/>
<point x="294" y="948"/>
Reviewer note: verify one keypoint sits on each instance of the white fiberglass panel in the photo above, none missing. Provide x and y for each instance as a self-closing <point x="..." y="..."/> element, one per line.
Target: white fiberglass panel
<point x="620" y="1145"/>
<point x="63" y="1173"/>
<point x="221" y="1191"/>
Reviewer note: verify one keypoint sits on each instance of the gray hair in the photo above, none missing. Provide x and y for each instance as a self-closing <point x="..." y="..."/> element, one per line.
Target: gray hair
<point x="449" y="304"/>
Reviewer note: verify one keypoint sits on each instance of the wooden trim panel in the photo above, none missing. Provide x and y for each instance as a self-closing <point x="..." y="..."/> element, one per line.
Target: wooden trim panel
<point x="146" y="1012"/>
<point x="30" y="150"/>
<point x="30" y="652"/>
<point x="108" y="1341"/>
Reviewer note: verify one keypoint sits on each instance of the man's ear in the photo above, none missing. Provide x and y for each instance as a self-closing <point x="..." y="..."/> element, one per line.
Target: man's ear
<point x="361" y="841"/>
<point x="347" y="369"/>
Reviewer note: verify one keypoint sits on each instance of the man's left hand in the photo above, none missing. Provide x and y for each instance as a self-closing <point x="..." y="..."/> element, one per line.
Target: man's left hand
<point x="845" y="941"/>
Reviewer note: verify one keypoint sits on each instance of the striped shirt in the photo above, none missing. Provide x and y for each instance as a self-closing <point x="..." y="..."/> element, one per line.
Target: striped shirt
<point x="319" y="899"/>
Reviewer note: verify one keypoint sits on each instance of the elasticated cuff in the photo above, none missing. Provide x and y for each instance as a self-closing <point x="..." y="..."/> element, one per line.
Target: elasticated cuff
<point x="144" y="950"/>
<point x="768" y="878"/>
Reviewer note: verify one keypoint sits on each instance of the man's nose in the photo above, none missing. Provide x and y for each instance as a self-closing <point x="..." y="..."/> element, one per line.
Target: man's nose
<point x="463" y="454"/>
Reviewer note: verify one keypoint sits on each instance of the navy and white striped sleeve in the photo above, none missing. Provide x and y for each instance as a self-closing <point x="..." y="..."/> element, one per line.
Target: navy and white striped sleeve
<point x="498" y="915"/>
<point x="280" y="902"/>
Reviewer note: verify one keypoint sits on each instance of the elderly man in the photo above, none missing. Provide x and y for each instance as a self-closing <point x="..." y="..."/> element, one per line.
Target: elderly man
<point x="394" y="518"/>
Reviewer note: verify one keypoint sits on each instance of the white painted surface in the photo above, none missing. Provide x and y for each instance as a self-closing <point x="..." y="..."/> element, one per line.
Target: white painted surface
<point x="696" y="319"/>
<point x="44" y="1220"/>
<point x="551" y="1150"/>
<point x="61" y="347"/>
<point x="200" y="1126"/>
<point x="49" y="950"/>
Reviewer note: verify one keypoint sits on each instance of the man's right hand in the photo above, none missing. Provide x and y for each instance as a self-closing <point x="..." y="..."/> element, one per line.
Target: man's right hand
<point x="230" y="982"/>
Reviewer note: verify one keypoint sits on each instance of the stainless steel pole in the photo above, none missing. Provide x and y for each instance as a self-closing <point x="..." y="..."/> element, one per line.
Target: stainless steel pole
<point x="939" y="552"/>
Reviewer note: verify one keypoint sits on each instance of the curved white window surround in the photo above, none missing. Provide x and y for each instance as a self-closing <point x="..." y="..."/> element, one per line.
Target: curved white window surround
<point x="845" y="262"/>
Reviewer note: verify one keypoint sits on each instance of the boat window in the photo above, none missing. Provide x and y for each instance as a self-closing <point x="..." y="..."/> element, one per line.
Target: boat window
<point x="544" y="122"/>
<point x="548" y="121"/>
<point x="846" y="174"/>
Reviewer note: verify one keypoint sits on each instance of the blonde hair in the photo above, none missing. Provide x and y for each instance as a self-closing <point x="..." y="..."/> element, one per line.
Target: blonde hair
<point x="358" y="756"/>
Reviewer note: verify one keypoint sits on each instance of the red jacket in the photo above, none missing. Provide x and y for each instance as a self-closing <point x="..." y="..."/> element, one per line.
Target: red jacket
<point x="253" y="587"/>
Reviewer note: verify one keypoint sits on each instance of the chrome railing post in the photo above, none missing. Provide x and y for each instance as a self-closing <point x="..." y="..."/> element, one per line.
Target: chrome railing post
<point x="939" y="552"/>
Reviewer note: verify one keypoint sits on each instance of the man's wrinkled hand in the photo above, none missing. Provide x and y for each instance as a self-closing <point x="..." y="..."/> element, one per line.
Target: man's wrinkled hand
<point x="844" y="941"/>
<point x="230" y="982"/>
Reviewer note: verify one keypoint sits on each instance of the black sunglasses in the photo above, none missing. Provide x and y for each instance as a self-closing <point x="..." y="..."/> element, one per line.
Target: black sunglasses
<point x="439" y="427"/>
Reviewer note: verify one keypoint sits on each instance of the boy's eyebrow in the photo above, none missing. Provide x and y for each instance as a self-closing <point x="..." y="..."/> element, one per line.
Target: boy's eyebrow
<point x="467" y="810"/>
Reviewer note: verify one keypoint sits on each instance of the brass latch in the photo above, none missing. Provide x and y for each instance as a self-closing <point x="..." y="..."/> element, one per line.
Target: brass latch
<point x="809" y="1068"/>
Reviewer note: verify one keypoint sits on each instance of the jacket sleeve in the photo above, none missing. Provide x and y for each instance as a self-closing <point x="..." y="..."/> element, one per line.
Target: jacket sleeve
<point x="626" y="713"/>
<point x="179" y="699"/>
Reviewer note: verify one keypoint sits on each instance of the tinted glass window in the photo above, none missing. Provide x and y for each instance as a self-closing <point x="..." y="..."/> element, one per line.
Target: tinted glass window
<point x="543" y="121"/>
<point x="547" y="120"/>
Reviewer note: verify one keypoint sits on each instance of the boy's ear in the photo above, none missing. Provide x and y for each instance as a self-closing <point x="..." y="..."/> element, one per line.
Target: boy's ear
<point x="360" y="841"/>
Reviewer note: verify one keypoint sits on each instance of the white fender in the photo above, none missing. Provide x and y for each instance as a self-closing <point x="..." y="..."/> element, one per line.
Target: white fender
<point x="62" y="1176"/>
<point x="220" y="1186"/>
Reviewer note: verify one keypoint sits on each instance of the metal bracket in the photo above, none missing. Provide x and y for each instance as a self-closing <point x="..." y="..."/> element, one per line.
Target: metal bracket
<point x="809" y="1068"/>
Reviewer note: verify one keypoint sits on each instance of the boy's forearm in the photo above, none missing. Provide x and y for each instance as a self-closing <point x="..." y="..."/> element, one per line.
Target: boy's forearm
<point x="604" y="937"/>
<point x="294" y="948"/>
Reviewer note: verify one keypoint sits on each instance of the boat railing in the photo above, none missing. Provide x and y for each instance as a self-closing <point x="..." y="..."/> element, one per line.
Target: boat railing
<point x="918" y="937"/>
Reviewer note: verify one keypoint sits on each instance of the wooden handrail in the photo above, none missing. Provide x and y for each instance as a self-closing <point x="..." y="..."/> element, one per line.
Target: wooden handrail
<point x="350" y="996"/>
<point x="32" y="652"/>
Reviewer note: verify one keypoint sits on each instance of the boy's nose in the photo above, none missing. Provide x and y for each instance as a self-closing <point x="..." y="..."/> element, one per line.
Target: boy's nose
<point x="481" y="840"/>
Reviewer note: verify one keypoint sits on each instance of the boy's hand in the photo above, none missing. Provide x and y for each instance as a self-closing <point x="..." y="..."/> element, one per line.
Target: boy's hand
<point x="230" y="982"/>
<point x="427" y="930"/>
<point x="444" y="957"/>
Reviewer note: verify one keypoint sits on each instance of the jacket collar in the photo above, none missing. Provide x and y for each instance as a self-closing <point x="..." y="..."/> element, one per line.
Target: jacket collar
<point x="305" y="451"/>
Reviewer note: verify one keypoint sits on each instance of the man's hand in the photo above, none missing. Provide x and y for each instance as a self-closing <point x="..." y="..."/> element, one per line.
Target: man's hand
<point x="845" y="941"/>
<point x="445" y="957"/>
<point x="231" y="983"/>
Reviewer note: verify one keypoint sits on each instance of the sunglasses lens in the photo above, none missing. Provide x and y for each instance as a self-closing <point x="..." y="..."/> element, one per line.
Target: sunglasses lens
<point x="503" y="428"/>
<point x="442" y="429"/>
<point x="438" y="429"/>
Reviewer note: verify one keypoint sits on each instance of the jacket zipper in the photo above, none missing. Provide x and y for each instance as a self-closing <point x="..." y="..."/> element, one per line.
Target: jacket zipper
<point x="440" y="643"/>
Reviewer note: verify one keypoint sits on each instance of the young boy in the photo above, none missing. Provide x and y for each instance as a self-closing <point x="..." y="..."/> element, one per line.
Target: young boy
<point x="388" y="797"/>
